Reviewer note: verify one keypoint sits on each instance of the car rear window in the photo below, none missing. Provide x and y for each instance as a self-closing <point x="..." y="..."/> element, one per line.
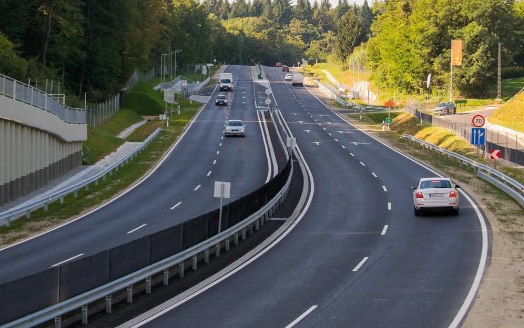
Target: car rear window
<point x="435" y="184"/>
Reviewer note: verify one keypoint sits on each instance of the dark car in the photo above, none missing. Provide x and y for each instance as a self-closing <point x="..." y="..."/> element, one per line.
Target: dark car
<point x="285" y="68"/>
<point x="445" y="108"/>
<point x="221" y="100"/>
<point x="278" y="64"/>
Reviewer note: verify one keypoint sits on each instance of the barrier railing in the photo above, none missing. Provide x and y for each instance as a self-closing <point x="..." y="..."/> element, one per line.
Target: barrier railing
<point x="30" y="95"/>
<point x="12" y="214"/>
<point x="507" y="184"/>
<point x="333" y="95"/>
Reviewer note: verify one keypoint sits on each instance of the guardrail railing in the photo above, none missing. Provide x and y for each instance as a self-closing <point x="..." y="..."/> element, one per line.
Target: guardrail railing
<point x="507" y="184"/>
<point x="16" y="212"/>
<point x="81" y="301"/>
<point x="333" y="95"/>
<point x="30" y="95"/>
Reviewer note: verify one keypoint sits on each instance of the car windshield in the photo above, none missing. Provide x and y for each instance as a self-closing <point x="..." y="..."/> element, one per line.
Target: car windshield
<point x="221" y="97"/>
<point x="442" y="105"/>
<point x="225" y="80"/>
<point x="235" y="123"/>
<point x="435" y="184"/>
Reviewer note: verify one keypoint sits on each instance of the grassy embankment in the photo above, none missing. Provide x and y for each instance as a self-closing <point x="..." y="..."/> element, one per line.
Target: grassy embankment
<point x="142" y="101"/>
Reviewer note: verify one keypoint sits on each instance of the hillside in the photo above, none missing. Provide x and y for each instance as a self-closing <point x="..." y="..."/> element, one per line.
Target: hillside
<point x="511" y="114"/>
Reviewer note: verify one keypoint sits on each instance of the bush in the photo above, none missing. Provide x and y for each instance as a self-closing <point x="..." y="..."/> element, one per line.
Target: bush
<point x="512" y="72"/>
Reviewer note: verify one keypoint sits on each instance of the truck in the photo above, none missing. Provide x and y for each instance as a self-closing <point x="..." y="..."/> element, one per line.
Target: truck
<point x="225" y="81"/>
<point x="298" y="79"/>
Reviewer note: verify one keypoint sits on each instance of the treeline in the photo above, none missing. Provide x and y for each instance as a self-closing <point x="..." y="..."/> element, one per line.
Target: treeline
<point x="93" y="46"/>
<point x="412" y="38"/>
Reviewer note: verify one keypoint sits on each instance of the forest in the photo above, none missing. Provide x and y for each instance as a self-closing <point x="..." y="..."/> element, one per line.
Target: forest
<point x="93" y="46"/>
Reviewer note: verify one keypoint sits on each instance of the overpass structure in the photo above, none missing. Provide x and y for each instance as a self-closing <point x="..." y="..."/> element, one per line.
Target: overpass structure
<point x="40" y="138"/>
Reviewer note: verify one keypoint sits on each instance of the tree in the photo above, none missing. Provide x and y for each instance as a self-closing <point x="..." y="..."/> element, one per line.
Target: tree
<point x="351" y="32"/>
<point x="302" y="11"/>
<point x="281" y="12"/>
<point x="240" y="8"/>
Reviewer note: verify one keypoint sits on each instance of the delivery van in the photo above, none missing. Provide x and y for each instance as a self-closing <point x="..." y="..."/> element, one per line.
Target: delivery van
<point x="225" y="81"/>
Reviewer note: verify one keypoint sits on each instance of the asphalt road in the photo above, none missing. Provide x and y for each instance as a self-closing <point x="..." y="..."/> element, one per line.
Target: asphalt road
<point x="358" y="256"/>
<point x="178" y="190"/>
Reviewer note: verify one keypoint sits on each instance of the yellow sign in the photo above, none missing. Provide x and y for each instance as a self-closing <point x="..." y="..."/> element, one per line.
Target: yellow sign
<point x="456" y="52"/>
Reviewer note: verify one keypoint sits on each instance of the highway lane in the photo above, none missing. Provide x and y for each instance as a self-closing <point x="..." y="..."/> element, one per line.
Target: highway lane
<point x="178" y="190"/>
<point x="359" y="257"/>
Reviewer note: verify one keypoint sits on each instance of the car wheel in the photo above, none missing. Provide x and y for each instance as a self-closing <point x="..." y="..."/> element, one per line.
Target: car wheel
<point x="417" y="212"/>
<point x="456" y="211"/>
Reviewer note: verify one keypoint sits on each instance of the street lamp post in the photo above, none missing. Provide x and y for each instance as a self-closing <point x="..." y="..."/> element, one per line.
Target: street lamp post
<point x="176" y="51"/>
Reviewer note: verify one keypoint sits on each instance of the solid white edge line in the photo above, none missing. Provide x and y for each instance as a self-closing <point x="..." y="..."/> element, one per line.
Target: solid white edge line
<point x="302" y="316"/>
<point x="197" y="187"/>
<point x="384" y="230"/>
<point x="69" y="259"/>
<point x="158" y="164"/>
<point x="384" y="187"/>
<point x="137" y="228"/>
<point x="176" y="205"/>
<point x="360" y="264"/>
<point x="480" y="270"/>
<point x="268" y="146"/>
<point x="483" y="257"/>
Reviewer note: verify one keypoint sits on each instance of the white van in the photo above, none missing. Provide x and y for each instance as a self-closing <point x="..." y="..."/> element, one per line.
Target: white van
<point x="225" y="81"/>
<point x="298" y="79"/>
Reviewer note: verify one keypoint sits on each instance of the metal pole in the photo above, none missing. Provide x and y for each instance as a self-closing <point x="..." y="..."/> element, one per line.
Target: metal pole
<point x="499" y="74"/>
<point x="220" y="211"/>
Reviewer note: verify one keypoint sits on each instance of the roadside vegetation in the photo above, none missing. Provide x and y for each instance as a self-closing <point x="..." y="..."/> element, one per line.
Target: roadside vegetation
<point x="511" y="114"/>
<point x="102" y="141"/>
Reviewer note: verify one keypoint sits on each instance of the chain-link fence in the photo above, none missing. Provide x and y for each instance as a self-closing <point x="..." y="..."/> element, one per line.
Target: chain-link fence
<point x="99" y="113"/>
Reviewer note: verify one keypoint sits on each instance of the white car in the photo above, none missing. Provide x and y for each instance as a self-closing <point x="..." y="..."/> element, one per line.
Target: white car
<point x="288" y="77"/>
<point x="235" y="128"/>
<point x="436" y="194"/>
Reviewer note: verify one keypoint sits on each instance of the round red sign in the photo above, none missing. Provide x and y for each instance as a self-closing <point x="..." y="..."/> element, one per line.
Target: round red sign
<point x="478" y="121"/>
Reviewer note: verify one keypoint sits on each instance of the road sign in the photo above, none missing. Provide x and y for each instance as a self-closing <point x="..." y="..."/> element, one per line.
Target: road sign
<point x="478" y="136"/>
<point x="495" y="154"/>
<point x="389" y="120"/>
<point x="478" y="121"/>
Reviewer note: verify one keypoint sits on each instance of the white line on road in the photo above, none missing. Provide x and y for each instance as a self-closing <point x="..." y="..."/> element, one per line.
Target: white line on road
<point x="214" y="162"/>
<point x="384" y="187"/>
<point x="360" y="264"/>
<point x="197" y="187"/>
<point x="209" y="173"/>
<point x="344" y="147"/>
<point x="220" y="145"/>
<point x="135" y="229"/>
<point x="69" y="259"/>
<point x="374" y="174"/>
<point x="352" y="154"/>
<point x="176" y="205"/>
<point x="362" y="164"/>
<point x="336" y="140"/>
<point x="218" y="152"/>
<point x="305" y="314"/>
<point x="389" y="206"/>
<point x="384" y="230"/>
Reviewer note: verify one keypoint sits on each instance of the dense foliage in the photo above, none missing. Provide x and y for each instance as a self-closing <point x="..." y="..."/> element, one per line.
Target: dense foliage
<point x="93" y="46"/>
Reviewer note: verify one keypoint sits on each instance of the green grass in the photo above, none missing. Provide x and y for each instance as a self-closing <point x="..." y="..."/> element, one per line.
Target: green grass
<point x="511" y="114"/>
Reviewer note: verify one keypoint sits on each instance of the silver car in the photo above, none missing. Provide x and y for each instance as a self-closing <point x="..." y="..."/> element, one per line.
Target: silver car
<point x="436" y="194"/>
<point x="235" y="128"/>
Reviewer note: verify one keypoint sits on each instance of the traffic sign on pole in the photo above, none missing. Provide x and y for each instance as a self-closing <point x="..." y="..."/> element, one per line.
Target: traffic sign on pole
<point x="495" y="154"/>
<point x="478" y="121"/>
<point x="478" y="136"/>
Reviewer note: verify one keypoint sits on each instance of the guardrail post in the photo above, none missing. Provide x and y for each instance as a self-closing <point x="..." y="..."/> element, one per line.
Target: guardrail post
<point x="166" y="277"/>
<point x="257" y="224"/>
<point x="130" y="294"/>
<point x="58" y="322"/>
<point x="84" y="314"/>
<point x="148" y="285"/>
<point x="217" y="250"/>
<point x="109" y="304"/>
<point x="181" y="269"/>
<point x="96" y="182"/>
<point x="206" y="256"/>
<point x="251" y="229"/>
<point x="46" y="207"/>
<point x="28" y="214"/>
<point x="235" y="240"/>
<point x="195" y="262"/>
<point x="262" y="220"/>
<point x="87" y="187"/>
<point x="227" y="244"/>
<point x="76" y="193"/>
<point x="244" y="234"/>
<point x="62" y="200"/>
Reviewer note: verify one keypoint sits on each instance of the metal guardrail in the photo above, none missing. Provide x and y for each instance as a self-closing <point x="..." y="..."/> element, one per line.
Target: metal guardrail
<point x="7" y="216"/>
<point x="333" y="95"/>
<point x="30" y="95"/>
<point x="146" y="273"/>
<point x="507" y="184"/>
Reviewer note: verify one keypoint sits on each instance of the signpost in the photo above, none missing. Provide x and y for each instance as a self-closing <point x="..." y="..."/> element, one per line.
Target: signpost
<point x="495" y="154"/>
<point x="478" y="136"/>
<point x="478" y="121"/>
<point x="222" y="190"/>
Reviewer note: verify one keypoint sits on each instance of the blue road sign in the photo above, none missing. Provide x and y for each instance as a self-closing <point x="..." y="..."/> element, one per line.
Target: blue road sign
<point x="478" y="136"/>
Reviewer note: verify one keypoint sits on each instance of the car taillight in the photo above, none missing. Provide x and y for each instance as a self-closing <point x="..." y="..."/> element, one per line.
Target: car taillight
<point x="418" y="194"/>
<point x="453" y="193"/>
